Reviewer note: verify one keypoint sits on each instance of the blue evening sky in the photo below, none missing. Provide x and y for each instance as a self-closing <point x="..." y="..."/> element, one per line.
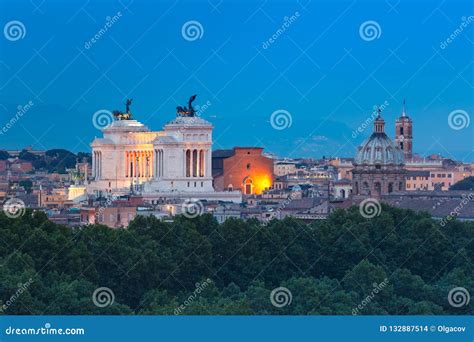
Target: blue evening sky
<point x="318" y="69"/>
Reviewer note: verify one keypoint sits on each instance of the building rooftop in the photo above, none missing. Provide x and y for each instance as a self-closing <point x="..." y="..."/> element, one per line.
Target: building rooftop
<point x="126" y="126"/>
<point x="437" y="207"/>
<point x="222" y="153"/>
<point x="418" y="173"/>
<point x="188" y="121"/>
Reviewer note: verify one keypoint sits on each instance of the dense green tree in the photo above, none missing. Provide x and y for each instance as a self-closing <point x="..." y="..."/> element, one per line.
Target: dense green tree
<point x="397" y="263"/>
<point x="465" y="184"/>
<point x="27" y="156"/>
<point x="4" y="155"/>
<point x="27" y="184"/>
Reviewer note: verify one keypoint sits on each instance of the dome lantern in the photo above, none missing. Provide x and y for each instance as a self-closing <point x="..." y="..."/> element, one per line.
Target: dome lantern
<point x="379" y="122"/>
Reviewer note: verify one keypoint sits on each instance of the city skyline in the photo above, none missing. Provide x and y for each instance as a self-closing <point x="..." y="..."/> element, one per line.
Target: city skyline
<point x="237" y="158"/>
<point x="326" y="72"/>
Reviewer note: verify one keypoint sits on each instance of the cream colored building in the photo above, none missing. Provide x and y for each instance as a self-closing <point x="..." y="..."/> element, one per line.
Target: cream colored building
<point x="283" y="168"/>
<point x="173" y="163"/>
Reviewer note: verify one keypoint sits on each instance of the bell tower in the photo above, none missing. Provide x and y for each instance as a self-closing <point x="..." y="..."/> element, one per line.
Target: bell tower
<point x="403" y="134"/>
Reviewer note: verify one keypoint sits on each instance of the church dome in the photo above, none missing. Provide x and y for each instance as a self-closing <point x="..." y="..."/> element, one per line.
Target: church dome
<point x="379" y="149"/>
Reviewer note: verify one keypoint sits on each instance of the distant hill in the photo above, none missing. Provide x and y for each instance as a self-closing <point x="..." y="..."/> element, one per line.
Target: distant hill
<point x="56" y="160"/>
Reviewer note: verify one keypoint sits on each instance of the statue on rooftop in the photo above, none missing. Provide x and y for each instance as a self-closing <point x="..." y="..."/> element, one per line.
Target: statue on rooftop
<point x="128" y="103"/>
<point x="187" y="111"/>
<point x="118" y="115"/>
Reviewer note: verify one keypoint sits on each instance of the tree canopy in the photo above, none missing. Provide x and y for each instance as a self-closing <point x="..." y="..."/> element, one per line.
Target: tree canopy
<point x="55" y="160"/>
<point x="4" y="155"/>
<point x="400" y="262"/>
<point x="465" y="184"/>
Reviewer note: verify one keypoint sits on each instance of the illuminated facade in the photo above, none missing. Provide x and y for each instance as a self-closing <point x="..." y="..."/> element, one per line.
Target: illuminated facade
<point x="242" y="168"/>
<point x="173" y="163"/>
<point x="123" y="158"/>
<point x="182" y="157"/>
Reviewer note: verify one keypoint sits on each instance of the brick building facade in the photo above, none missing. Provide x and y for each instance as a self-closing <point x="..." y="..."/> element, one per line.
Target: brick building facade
<point x="242" y="168"/>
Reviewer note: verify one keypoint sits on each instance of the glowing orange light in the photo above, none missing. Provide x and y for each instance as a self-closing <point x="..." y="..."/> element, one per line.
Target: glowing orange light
<point x="262" y="182"/>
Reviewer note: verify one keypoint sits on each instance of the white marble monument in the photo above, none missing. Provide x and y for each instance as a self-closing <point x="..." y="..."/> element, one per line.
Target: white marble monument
<point x="173" y="163"/>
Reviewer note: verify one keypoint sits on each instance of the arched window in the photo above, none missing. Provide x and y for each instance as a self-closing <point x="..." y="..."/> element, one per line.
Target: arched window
<point x="188" y="163"/>
<point x="389" y="154"/>
<point x="195" y="164"/>
<point x="365" y="188"/>
<point x="248" y="185"/>
<point x="390" y="187"/>
<point x="378" y="188"/>
<point x="367" y="154"/>
<point x="201" y="163"/>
